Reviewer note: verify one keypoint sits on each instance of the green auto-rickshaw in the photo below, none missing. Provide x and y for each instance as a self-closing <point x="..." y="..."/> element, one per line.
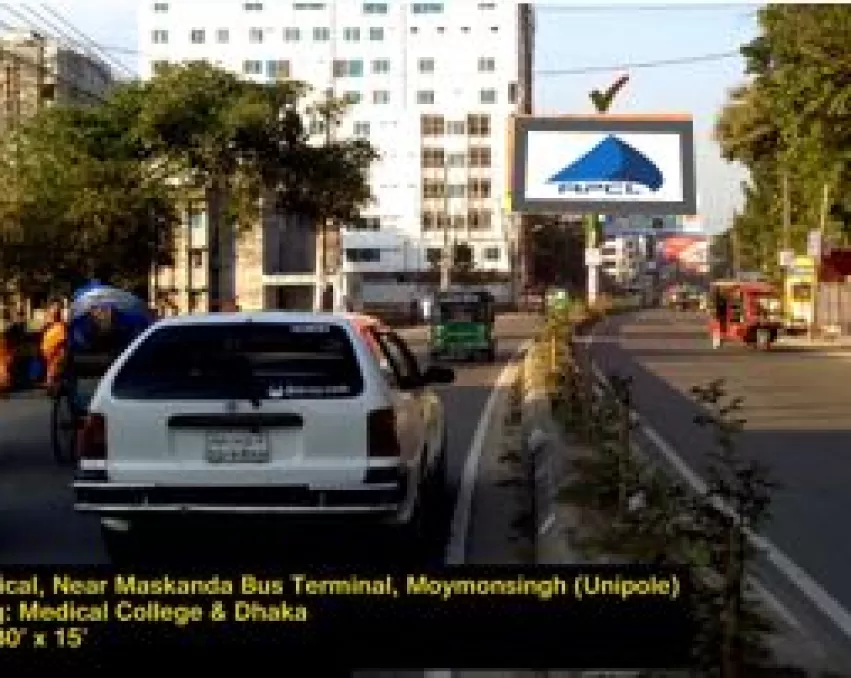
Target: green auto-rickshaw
<point x="462" y="326"/>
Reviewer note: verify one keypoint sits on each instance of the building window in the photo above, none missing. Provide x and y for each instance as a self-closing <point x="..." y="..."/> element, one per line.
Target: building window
<point x="381" y="96"/>
<point x="432" y="158"/>
<point x="433" y="189"/>
<point x="159" y="37"/>
<point x="197" y="36"/>
<point x="428" y="220"/>
<point x="370" y="224"/>
<point x="361" y="129"/>
<point x="253" y="6"/>
<point x="308" y="5"/>
<point x="197" y="218"/>
<point x="479" y="157"/>
<point x="251" y="67"/>
<point x="494" y="29"/>
<point x="255" y="35"/>
<point x="465" y="29"/>
<point x="316" y="126"/>
<point x="375" y="8"/>
<point x="427" y="7"/>
<point x="478" y="125"/>
<point x="456" y="191"/>
<point x="159" y="66"/>
<point x="479" y="219"/>
<point x="351" y="34"/>
<point x="431" y="125"/>
<point x="362" y="255"/>
<point x="425" y="65"/>
<point x="278" y="69"/>
<point x="487" y="96"/>
<point x="196" y="258"/>
<point x="292" y="34"/>
<point x="381" y="66"/>
<point x="321" y="34"/>
<point x="491" y="254"/>
<point x="348" y="68"/>
<point x="455" y="127"/>
<point x="414" y="30"/>
<point x="161" y="7"/>
<point x="441" y="30"/>
<point x="487" y="65"/>
<point x="457" y="160"/>
<point x="512" y="92"/>
<point x="487" y="5"/>
<point x="479" y="188"/>
<point x="425" y="97"/>
<point x="376" y="33"/>
<point x="353" y="98"/>
<point x="223" y="36"/>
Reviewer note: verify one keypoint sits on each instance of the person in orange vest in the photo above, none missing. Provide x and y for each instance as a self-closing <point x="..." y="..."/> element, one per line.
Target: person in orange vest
<point x="54" y="343"/>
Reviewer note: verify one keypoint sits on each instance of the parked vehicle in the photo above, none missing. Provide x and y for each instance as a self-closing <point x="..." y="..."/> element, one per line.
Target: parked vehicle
<point x="750" y="313"/>
<point x="278" y="415"/>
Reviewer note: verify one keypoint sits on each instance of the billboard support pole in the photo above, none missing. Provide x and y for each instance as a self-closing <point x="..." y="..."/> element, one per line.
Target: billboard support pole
<point x="592" y="241"/>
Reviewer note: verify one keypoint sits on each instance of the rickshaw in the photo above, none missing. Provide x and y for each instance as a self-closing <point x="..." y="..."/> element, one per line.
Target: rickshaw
<point x="103" y="321"/>
<point x="462" y="326"/>
<point x="750" y="313"/>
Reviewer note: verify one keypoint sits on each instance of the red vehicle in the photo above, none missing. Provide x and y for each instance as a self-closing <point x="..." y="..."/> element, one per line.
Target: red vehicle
<point x="750" y="313"/>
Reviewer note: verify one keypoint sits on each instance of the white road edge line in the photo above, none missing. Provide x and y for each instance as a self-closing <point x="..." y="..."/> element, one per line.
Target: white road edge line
<point x="456" y="552"/>
<point x="807" y="586"/>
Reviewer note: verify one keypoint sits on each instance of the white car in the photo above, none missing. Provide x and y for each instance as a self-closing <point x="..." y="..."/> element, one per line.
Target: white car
<point x="263" y="414"/>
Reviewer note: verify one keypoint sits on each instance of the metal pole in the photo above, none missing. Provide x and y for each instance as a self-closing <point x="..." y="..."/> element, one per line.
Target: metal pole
<point x="787" y="212"/>
<point x="825" y="206"/>
<point x="592" y="243"/>
<point x="321" y="278"/>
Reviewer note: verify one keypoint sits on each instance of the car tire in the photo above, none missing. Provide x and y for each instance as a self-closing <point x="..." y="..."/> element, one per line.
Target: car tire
<point x="121" y="546"/>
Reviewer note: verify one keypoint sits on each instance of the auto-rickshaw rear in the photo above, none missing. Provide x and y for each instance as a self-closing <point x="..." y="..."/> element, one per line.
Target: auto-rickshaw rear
<point x="749" y="313"/>
<point x="462" y="326"/>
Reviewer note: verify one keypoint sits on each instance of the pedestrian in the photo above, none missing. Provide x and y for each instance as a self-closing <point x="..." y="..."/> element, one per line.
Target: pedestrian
<point x="54" y="344"/>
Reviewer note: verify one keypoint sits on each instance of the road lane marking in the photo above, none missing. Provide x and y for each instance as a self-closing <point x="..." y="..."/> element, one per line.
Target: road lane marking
<point x="456" y="552"/>
<point x="806" y="585"/>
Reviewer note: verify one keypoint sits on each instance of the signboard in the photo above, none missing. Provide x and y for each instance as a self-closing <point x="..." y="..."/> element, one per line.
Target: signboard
<point x="785" y="258"/>
<point x="593" y="256"/>
<point x="642" y="225"/>
<point x="612" y="164"/>
<point x="814" y="244"/>
<point x="686" y="252"/>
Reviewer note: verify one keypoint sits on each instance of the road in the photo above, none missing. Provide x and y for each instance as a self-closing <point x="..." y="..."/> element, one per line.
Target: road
<point x="797" y="405"/>
<point x="38" y="525"/>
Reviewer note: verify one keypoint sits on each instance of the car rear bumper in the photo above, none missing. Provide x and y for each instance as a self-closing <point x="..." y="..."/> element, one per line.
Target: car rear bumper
<point x="379" y="500"/>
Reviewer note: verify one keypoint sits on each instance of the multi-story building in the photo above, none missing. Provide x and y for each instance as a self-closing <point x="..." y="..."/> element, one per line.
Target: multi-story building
<point x="433" y="86"/>
<point x="623" y="258"/>
<point x="39" y="71"/>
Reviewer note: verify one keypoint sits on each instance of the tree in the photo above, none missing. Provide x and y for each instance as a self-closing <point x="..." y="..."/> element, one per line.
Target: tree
<point x="96" y="191"/>
<point x="792" y="119"/>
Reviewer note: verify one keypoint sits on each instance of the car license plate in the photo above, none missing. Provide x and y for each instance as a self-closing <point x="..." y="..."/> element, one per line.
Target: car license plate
<point x="237" y="447"/>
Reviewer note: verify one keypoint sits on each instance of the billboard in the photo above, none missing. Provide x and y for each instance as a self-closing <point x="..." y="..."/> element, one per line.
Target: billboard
<point x="639" y="225"/>
<point x="688" y="253"/>
<point x="611" y="164"/>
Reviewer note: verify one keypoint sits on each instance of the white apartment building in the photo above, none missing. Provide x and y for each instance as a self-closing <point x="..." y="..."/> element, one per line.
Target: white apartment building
<point x="434" y="85"/>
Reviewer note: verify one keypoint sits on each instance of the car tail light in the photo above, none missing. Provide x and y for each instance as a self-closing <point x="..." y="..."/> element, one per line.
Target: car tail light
<point x="91" y="437"/>
<point x="381" y="437"/>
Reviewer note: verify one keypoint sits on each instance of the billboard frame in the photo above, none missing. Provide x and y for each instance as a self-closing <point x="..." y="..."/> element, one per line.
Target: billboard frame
<point x="683" y="125"/>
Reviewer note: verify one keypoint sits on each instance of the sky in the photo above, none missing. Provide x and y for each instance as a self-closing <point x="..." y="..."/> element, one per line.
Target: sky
<point x="577" y="36"/>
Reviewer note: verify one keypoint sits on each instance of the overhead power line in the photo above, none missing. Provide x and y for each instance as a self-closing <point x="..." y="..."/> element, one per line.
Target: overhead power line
<point x="659" y="63"/>
<point x="92" y="44"/>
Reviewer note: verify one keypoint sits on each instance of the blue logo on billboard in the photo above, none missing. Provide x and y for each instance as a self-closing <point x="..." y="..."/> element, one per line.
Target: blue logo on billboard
<point x="612" y="167"/>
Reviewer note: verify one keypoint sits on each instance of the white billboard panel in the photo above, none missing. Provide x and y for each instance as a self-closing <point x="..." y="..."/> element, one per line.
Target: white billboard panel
<point x="607" y="164"/>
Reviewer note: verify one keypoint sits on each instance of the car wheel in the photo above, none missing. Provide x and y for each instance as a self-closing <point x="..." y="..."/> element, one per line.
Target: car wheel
<point x="121" y="546"/>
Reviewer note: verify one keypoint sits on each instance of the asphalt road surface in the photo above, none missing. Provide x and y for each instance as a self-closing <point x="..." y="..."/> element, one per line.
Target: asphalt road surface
<point x="39" y="526"/>
<point x="797" y="404"/>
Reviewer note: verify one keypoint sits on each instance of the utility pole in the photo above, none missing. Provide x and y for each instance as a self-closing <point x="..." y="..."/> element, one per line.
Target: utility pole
<point x="322" y="278"/>
<point x="787" y="212"/>
<point x="446" y="255"/>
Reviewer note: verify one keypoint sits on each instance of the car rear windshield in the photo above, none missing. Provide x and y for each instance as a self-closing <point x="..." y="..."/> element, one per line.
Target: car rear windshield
<point x="256" y="361"/>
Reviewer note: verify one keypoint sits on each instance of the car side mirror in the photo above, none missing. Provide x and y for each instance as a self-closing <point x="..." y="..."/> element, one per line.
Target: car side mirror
<point x="439" y="375"/>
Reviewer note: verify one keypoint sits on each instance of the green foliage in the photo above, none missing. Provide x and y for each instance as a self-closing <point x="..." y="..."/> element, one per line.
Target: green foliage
<point x="96" y="191"/>
<point x="792" y="118"/>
